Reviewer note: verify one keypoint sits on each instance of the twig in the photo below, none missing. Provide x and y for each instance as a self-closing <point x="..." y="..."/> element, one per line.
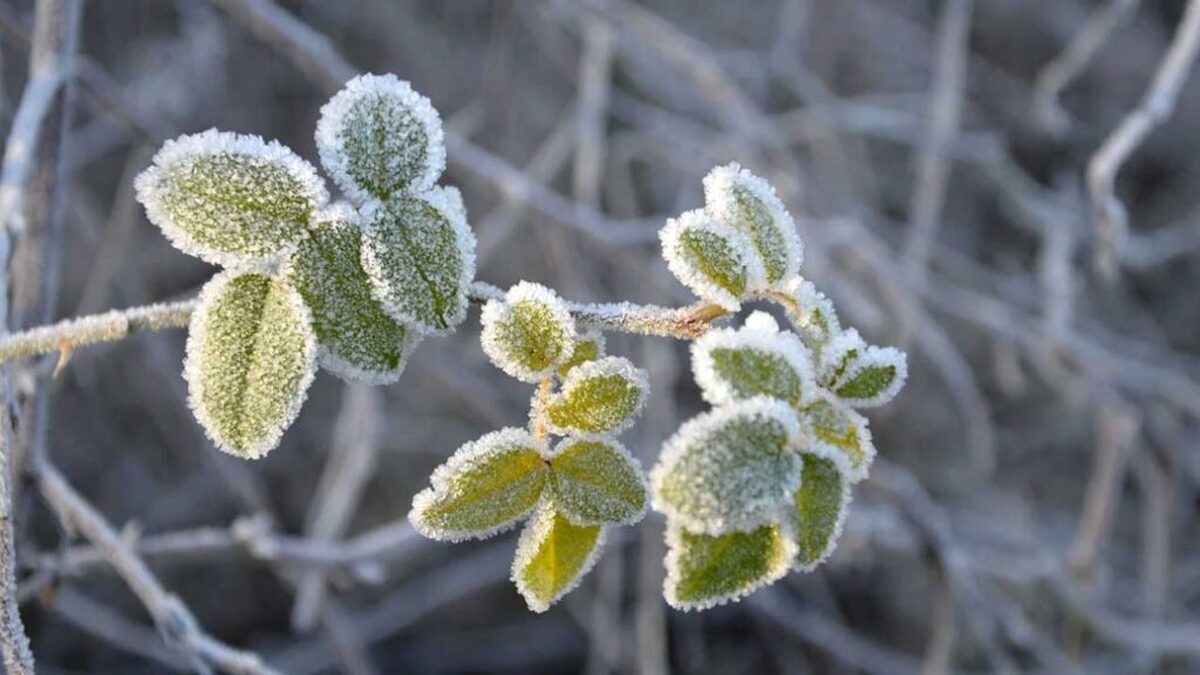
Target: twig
<point x="1109" y="216"/>
<point x="18" y="659"/>
<point x="595" y="68"/>
<point x="1115" y="426"/>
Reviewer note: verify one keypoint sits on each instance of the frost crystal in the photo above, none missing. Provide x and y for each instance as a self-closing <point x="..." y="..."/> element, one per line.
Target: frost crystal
<point x="597" y="482"/>
<point x="251" y="355"/>
<point x="419" y="253"/>
<point x="818" y="510"/>
<point x="377" y="137"/>
<point x="740" y="201"/>
<point x="358" y="341"/>
<point x="530" y="333"/>
<point x="729" y="469"/>
<point x="599" y="397"/>
<point x="485" y="487"/>
<point x="717" y="264"/>
<point x="553" y="555"/>
<point x="704" y="570"/>
<point x="755" y="360"/>
<point x="230" y="199"/>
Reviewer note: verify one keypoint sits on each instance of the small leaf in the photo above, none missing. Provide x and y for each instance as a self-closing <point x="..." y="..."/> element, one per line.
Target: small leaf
<point x="819" y="510"/>
<point x="420" y="256"/>
<point x="358" y="341"/>
<point x="484" y="488"/>
<point x="740" y="201"/>
<point x="589" y="346"/>
<point x="874" y="378"/>
<point x="717" y="265"/>
<point x="528" y="334"/>
<point x="597" y="482"/>
<point x="837" y="356"/>
<point x="704" y="570"/>
<point x="755" y="360"/>
<point x="830" y="422"/>
<point x="553" y="555"/>
<point x="251" y="355"/>
<point x="729" y="469"/>
<point x="814" y="315"/>
<point x="598" y="397"/>
<point x="229" y="199"/>
<point x="377" y="137"/>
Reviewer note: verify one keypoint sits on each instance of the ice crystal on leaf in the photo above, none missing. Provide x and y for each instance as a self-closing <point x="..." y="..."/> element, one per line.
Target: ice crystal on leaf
<point x="814" y="314"/>
<point x="819" y="510"/>
<point x="251" y="352"/>
<point x="358" y="340"/>
<point x="377" y="137"/>
<point x="705" y="570"/>
<point x="597" y="482"/>
<point x="589" y="346"/>
<point x="230" y="199"/>
<point x="598" y="397"/>
<point x="528" y="334"/>
<point x="755" y="360"/>
<point x="553" y="555"/>
<point x="874" y="378"/>
<point x="718" y="265"/>
<point x="419" y="254"/>
<point x="738" y="200"/>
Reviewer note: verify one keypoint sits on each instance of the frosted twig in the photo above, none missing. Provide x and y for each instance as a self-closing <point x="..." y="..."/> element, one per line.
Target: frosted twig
<point x="1082" y="48"/>
<point x="1110" y="219"/>
<point x="18" y="659"/>
<point x="111" y="326"/>
<point x="685" y="323"/>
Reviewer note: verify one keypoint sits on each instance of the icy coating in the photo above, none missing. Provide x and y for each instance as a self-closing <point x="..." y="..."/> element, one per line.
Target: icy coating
<point x="738" y="200"/>
<point x="717" y="264"/>
<point x="529" y="334"/>
<point x="837" y="356"/>
<point x="817" y="319"/>
<point x="553" y="555"/>
<point x="756" y="360"/>
<point x="705" y="571"/>
<point x="230" y="199"/>
<point x="598" y="482"/>
<point x="251" y="355"/>
<point x="377" y="137"/>
<point x="358" y="341"/>
<point x="599" y="397"/>
<point x="819" y="510"/>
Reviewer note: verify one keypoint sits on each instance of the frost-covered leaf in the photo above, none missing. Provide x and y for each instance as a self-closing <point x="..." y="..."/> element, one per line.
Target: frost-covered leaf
<point x="837" y="356"/>
<point x="589" y="346"/>
<point x="251" y="355"/>
<point x="819" y="509"/>
<point x="597" y="482"/>
<point x="227" y="198"/>
<point x="485" y="487"/>
<point x="814" y="315"/>
<point x="738" y="200"/>
<point x="553" y="555"/>
<point x="378" y="137"/>
<point x="358" y="340"/>
<point x="529" y="333"/>
<point x="704" y="570"/>
<point x="755" y="360"/>
<point x="718" y="265"/>
<point x="419" y="253"/>
<point x="829" y="422"/>
<point x="598" y="397"/>
<point x="874" y="378"/>
<point x="729" y="469"/>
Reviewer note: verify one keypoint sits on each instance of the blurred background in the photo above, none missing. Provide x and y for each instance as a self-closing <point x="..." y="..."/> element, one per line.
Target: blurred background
<point x="1034" y="507"/>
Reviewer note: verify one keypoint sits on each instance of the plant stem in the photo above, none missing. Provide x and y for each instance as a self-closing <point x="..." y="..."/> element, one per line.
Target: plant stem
<point x="539" y="409"/>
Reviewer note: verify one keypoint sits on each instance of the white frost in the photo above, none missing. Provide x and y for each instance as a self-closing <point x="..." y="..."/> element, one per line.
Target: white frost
<point x="759" y="333"/>
<point x="693" y="278"/>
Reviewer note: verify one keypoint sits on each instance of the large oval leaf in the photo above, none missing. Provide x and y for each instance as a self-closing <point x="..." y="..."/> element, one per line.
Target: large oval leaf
<point x="553" y="555"/>
<point x="705" y="570"/>
<point x="729" y="469"/>
<point x="598" y="397"/>
<point x="485" y="487"/>
<point x="819" y="509"/>
<point x="717" y="264"/>
<point x="227" y="198"/>
<point x="358" y="340"/>
<point x="597" y="482"/>
<point x="755" y="360"/>
<point x="420" y="256"/>
<point x="250" y="359"/>
<point x="529" y="333"/>
<point x="740" y="201"/>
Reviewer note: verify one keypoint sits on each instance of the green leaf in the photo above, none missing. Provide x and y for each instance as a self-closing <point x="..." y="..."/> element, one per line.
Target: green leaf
<point x="484" y="488"/>
<point x="740" y="201"/>
<point x="358" y="341"/>
<point x="553" y="555"/>
<point x="529" y="333"/>
<point x="598" y="397"/>
<point x="755" y="360"/>
<point x="705" y="570"/>
<point x="829" y="422"/>
<point x="812" y="314"/>
<point x="420" y="256"/>
<point x="230" y="199"/>
<point x="730" y="469"/>
<point x="250" y="359"/>
<point x="597" y="482"/>
<point x="873" y="378"/>
<point x="716" y="264"/>
<point x="820" y="508"/>
<point x="589" y="346"/>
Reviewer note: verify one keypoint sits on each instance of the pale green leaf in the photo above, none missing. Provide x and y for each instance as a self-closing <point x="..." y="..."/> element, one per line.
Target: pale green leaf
<point x="484" y="488"/>
<point x="873" y="378"/>
<point x="419" y="254"/>
<point x="529" y="333"/>
<point x="830" y="422"/>
<point x="716" y="264"/>
<point x="589" y="346"/>
<point x="553" y="555"/>
<point x="740" y="201"/>
<point x="358" y="340"/>
<point x="251" y="354"/>
<point x="755" y="360"/>
<point x="597" y="482"/>
<point x="819" y="509"/>
<point x="733" y="468"/>
<point x="704" y="570"/>
<point x="598" y="397"/>
<point x="230" y="199"/>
